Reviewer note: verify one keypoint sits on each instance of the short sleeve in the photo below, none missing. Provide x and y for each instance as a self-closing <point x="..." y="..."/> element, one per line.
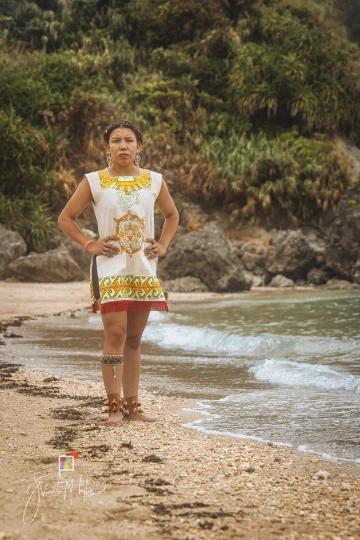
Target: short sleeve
<point x="157" y="182"/>
<point x="94" y="183"/>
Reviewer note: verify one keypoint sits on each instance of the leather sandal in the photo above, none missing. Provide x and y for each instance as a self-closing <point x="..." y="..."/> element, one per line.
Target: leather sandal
<point x="131" y="405"/>
<point x="113" y="403"/>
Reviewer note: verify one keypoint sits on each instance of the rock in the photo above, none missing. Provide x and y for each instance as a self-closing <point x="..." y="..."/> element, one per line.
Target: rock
<point x="257" y="281"/>
<point x="290" y="253"/>
<point x="343" y="247"/>
<point x="253" y="262"/>
<point x="341" y="284"/>
<point x="55" y="265"/>
<point x="192" y="217"/>
<point x="339" y="262"/>
<point x="12" y="246"/>
<point x="180" y="231"/>
<point x="321" y="475"/>
<point x="317" y="239"/>
<point x="281" y="281"/>
<point x="317" y="276"/>
<point x="245" y="247"/>
<point x="357" y="271"/>
<point x="206" y="255"/>
<point x="184" y="284"/>
<point x="77" y="252"/>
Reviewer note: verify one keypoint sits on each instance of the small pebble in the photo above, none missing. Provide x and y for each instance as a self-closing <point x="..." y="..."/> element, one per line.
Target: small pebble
<point x="321" y="475"/>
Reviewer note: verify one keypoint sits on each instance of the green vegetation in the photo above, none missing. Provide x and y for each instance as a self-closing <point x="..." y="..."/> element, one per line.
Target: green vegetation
<point x="238" y="99"/>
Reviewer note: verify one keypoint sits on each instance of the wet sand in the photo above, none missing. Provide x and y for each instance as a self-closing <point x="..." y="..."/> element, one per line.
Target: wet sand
<point x="150" y="481"/>
<point x="28" y="299"/>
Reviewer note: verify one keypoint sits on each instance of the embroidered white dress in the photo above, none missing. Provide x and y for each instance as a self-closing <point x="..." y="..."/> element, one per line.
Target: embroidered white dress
<point x="124" y="206"/>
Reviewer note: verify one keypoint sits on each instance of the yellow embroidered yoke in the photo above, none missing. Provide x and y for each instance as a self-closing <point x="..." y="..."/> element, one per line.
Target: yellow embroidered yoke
<point x="124" y="206"/>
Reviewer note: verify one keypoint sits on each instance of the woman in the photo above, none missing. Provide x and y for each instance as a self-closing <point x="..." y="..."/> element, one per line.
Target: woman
<point x="123" y="284"/>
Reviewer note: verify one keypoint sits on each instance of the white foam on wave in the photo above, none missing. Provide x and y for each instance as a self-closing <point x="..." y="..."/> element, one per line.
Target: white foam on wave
<point x="170" y="335"/>
<point x="207" y="340"/>
<point x="286" y="372"/>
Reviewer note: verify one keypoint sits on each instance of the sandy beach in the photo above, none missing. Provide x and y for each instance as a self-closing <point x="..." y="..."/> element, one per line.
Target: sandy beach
<point x="148" y="481"/>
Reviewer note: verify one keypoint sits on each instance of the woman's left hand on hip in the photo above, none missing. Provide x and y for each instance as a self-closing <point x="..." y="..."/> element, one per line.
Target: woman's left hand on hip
<point x="155" y="250"/>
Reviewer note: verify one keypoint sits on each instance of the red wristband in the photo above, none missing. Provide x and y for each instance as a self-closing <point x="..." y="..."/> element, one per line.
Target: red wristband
<point x="87" y="244"/>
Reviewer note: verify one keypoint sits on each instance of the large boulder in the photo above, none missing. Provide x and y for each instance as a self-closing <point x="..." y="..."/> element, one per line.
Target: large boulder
<point x="186" y="284"/>
<point x="291" y="254"/>
<point x="12" y="246"/>
<point x="76" y="251"/>
<point x="343" y="249"/>
<point x="207" y="255"/>
<point x="52" y="266"/>
<point x="317" y="276"/>
<point x="357" y="271"/>
<point x="253" y="262"/>
<point x="281" y="281"/>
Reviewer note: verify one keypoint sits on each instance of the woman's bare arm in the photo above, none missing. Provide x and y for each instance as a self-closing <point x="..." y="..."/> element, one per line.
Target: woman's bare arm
<point x="78" y="202"/>
<point x="167" y="206"/>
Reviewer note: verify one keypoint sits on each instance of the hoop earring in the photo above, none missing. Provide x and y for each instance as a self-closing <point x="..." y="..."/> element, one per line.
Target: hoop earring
<point x="137" y="159"/>
<point x="109" y="160"/>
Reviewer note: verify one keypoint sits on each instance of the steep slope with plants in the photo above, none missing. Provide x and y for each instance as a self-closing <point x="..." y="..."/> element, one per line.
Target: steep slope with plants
<point x="239" y="101"/>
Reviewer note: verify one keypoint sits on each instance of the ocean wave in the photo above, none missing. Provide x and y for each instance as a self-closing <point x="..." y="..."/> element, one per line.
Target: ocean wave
<point x="197" y="339"/>
<point x="286" y="372"/>
<point x="207" y="340"/>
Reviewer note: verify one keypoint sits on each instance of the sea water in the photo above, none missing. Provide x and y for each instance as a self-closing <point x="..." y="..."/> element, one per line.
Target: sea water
<point x="280" y="367"/>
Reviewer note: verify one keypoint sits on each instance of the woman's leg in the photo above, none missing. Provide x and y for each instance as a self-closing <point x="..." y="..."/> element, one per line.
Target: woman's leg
<point x="114" y="341"/>
<point x="136" y="323"/>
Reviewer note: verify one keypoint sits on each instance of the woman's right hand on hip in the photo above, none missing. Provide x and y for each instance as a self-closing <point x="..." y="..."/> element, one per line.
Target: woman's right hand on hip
<point x="103" y="247"/>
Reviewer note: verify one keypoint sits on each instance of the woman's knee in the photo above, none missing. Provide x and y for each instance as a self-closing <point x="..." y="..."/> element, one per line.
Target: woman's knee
<point x="116" y="335"/>
<point x="133" y="341"/>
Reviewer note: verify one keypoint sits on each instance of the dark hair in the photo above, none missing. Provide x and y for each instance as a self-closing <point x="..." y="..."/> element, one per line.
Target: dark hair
<point x="124" y="123"/>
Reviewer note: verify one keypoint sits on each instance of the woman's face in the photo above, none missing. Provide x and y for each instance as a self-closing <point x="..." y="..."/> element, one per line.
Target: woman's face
<point x="122" y="146"/>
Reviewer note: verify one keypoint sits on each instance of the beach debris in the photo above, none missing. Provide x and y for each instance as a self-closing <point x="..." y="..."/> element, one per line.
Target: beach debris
<point x="321" y="475"/>
<point x="157" y="482"/>
<point x="158" y="490"/>
<point x="63" y="437"/>
<point x="67" y="413"/>
<point x="127" y="445"/>
<point x="152" y="458"/>
<point x="206" y="524"/>
<point x="12" y="335"/>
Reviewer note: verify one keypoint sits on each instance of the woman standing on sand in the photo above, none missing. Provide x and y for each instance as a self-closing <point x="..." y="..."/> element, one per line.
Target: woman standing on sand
<point x="123" y="284"/>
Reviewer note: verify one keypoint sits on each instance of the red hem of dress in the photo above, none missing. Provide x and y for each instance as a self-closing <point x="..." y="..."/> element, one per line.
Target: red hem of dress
<point x="131" y="305"/>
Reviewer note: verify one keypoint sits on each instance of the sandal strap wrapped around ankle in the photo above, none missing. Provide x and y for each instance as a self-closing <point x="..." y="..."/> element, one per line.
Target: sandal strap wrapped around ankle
<point x="113" y="403"/>
<point x="135" y="407"/>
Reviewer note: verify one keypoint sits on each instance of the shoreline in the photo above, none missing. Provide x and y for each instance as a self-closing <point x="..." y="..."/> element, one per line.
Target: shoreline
<point x="160" y="477"/>
<point x="23" y="299"/>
